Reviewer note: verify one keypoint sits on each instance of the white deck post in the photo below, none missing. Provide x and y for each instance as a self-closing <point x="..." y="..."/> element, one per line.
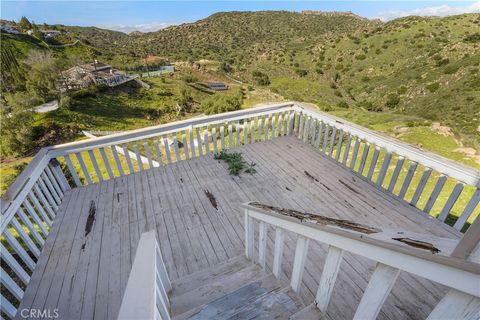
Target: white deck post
<point x="299" y="262"/>
<point x="262" y="243"/>
<point x="278" y="251"/>
<point x="329" y="276"/>
<point x="377" y="291"/>
<point x="249" y="235"/>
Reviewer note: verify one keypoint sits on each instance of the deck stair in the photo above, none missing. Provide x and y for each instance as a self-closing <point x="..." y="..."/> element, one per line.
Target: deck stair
<point x="234" y="289"/>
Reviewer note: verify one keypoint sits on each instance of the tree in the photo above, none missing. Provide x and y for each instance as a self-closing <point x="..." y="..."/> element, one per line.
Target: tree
<point x="41" y="78"/>
<point x="222" y="103"/>
<point x="260" y="78"/>
<point x="225" y="67"/>
<point x="24" y="24"/>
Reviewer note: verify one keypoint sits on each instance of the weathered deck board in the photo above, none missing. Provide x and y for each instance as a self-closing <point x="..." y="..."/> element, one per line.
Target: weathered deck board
<point x="85" y="276"/>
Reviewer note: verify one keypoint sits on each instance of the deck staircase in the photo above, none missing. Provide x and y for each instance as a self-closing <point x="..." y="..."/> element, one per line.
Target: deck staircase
<point x="236" y="289"/>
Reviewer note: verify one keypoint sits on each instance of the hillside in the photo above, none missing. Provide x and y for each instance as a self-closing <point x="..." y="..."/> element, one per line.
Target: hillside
<point x="427" y="67"/>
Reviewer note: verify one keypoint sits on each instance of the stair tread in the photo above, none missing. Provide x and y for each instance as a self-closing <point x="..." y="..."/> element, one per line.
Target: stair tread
<point x="310" y="312"/>
<point x="265" y="298"/>
<point x="215" y="288"/>
<point x="199" y="278"/>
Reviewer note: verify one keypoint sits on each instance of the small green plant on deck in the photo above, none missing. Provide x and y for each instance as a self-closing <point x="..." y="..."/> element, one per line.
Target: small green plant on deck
<point x="235" y="162"/>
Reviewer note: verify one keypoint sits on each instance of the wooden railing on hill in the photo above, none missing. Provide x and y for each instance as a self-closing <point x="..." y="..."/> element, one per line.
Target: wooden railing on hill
<point x="30" y="204"/>
<point x="462" y="276"/>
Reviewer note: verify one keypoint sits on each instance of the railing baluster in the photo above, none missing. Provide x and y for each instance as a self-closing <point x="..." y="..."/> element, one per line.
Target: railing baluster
<point x="106" y="163"/>
<point x="126" y="153"/>
<point x="301" y="250"/>
<point x="137" y="155"/>
<point x="329" y="276"/>
<point x="28" y="223"/>
<point x="314" y="132"/>
<point x="325" y="138"/>
<point x="206" y="140"/>
<point x="48" y="194"/>
<point x="252" y="131"/>
<point x="54" y="181"/>
<point x="451" y="201"/>
<point x="339" y="145"/>
<point x="249" y="235"/>
<point x="319" y="135"/>
<point x="373" y="164"/>
<point x="237" y="134"/>
<point x="95" y="165"/>
<point x="377" y="291"/>
<point x="199" y="141"/>
<point x="59" y="175"/>
<point x="214" y="139"/>
<point x="83" y="167"/>
<point x="274" y="123"/>
<point x="35" y="217"/>
<point x="421" y="186"/>
<point x="117" y="160"/>
<point x="332" y="141"/>
<point x="266" y="128"/>
<point x="262" y="243"/>
<point x="383" y="170"/>
<point x="72" y="170"/>
<point x="185" y="145"/>
<point x="222" y="135"/>
<point x="280" y="125"/>
<point x="23" y="235"/>
<point x="408" y="180"/>
<point x="11" y="285"/>
<point x="347" y="149"/>
<point x="175" y="148"/>
<point x="7" y="307"/>
<point x="43" y="178"/>
<point x="40" y="209"/>
<point x="278" y="251"/>
<point x="230" y="136"/>
<point x="363" y="159"/>
<point x="292" y="123"/>
<point x="44" y="201"/>
<point x="147" y="153"/>
<point x="14" y="265"/>
<point x="192" y="142"/>
<point x="296" y="126"/>
<point x="434" y="195"/>
<point x="468" y="210"/>
<point x="396" y="173"/>
<point x="17" y="247"/>
<point x="245" y="132"/>
<point x="166" y="146"/>
<point x="355" y="153"/>
<point x="259" y="126"/>
<point x="307" y="129"/>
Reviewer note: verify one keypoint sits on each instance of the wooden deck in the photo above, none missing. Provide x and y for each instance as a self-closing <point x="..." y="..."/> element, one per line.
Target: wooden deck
<point x="194" y="206"/>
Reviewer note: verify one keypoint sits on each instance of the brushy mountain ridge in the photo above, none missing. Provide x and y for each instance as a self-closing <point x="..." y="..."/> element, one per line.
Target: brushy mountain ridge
<point x="427" y="67"/>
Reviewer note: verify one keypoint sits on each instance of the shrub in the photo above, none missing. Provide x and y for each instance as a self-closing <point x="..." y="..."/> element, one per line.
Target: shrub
<point x="301" y="72"/>
<point x="343" y="105"/>
<point x="451" y="69"/>
<point x="392" y="100"/>
<point x="188" y="78"/>
<point x="443" y="62"/>
<point x="472" y="37"/>
<point x="365" y="79"/>
<point x="261" y="78"/>
<point x="432" y="87"/>
<point x="222" y="103"/>
<point x="368" y="105"/>
<point x="360" y="57"/>
<point x="402" y="90"/>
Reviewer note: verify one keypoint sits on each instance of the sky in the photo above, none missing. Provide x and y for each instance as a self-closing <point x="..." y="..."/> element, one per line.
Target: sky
<point x="146" y="16"/>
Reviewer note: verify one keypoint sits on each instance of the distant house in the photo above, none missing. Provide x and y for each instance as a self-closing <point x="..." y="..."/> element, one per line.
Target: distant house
<point x="8" y="28"/>
<point x="217" y="86"/>
<point x="50" y="33"/>
<point x="84" y="75"/>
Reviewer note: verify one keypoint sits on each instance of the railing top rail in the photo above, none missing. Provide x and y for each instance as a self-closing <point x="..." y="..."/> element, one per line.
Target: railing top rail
<point x="166" y="128"/>
<point x="443" y="165"/>
<point x="460" y="264"/>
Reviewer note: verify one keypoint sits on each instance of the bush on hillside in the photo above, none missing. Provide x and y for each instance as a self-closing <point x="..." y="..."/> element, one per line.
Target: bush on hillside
<point x="261" y="78"/>
<point x="392" y="100"/>
<point x="432" y="87"/>
<point x="450" y="69"/>
<point x="188" y="78"/>
<point x="301" y="72"/>
<point x="222" y="103"/>
<point x="472" y="37"/>
<point x="343" y="105"/>
<point x="369" y="106"/>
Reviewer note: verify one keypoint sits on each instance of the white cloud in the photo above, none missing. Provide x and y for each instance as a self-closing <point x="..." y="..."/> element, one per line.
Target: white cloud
<point x="443" y="10"/>
<point x="143" y="27"/>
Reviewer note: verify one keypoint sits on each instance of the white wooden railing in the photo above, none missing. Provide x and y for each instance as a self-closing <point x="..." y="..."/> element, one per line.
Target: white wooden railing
<point x="462" y="276"/>
<point x="30" y="204"/>
<point x="146" y="294"/>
